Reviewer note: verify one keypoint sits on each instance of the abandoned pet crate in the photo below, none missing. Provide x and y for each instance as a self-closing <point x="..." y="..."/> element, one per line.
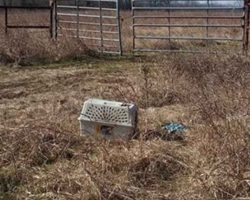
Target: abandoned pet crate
<point x="108" y="119"/>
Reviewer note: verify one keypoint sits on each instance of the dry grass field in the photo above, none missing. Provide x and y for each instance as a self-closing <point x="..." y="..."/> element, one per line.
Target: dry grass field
<point x="43" y="85"/>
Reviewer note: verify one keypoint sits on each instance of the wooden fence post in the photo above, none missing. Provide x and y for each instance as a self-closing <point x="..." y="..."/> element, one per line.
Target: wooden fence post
<point x="246" y="28"/>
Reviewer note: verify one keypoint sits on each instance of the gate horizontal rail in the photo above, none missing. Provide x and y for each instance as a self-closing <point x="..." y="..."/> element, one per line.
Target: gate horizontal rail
<point x="81" y="15"/>
<point x="27" y="7"/>
<point x="86" y="8"/>
<point x="190" y="17"/>
<point x="84" y="23"/>
<point x="187" y="8"/>
<point x="90" y="31"/>
<point x="189" y="25"/>
<point x="188" y="38"/>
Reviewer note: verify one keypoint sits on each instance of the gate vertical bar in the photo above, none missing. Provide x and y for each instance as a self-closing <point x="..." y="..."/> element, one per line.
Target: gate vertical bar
<point x="55" y="23"/>
<point x="101" y="27"/>
<point x="119" y="26"/>
<point x="77" y="19"/>
<point x="207" y="29"/>
<point x="133" y="27"/>
<point x="244" y="28"/>
<point x="6" y="20"/>
<point x="51" y="19"/>
<point x="169" y="22"/>
<point x="248" y="25"/>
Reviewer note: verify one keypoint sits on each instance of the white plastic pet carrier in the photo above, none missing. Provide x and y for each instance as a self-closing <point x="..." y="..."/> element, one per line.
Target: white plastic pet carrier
<point x="108" y="119"/>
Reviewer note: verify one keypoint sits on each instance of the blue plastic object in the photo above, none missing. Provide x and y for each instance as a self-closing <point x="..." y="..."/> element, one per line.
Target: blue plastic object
<point x="174" y="128"/>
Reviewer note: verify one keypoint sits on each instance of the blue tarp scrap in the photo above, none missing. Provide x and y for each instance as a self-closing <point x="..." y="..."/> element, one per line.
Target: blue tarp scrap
<point x="174" y="128"/>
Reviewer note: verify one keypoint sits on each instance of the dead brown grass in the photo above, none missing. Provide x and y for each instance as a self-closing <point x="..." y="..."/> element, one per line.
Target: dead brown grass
<point x="43" y="156"/>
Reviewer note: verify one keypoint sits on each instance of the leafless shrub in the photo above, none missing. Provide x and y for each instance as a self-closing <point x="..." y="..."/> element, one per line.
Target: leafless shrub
<point x="154" y="85"/>
<point x="220" y="85"/>
<point x="34" y="48"/>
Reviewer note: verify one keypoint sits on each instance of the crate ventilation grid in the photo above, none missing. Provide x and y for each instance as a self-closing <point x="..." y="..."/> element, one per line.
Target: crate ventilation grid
<point x="107" y="114"/>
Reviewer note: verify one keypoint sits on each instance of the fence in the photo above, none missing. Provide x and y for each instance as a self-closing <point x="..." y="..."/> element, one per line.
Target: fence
<point x="96" y="22"/>
<point x="9" y="25"/>
<point x="157" y="25"/>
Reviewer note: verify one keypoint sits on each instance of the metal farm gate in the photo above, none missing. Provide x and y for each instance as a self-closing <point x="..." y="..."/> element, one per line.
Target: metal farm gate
<point x="96" y="22"/>
<point x="190" y="25"/>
